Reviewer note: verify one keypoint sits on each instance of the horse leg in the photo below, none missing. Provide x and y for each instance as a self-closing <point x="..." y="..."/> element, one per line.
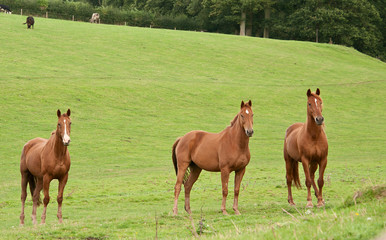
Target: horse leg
<point x="193" y="176"/>
<point x="62" y="184"/>
<point x="289" y="177"/>
<point x="224" y="181"/>
<point x="36" y="198"/>
<point x="306" y="168"/>
<point x="177" y="188"/>
<point x="313" y="167"/>
<point x="238" y="177"/>
<point x="322" y="167"/>
<point x="46" y="189"/>
<point x="24" y="182"/>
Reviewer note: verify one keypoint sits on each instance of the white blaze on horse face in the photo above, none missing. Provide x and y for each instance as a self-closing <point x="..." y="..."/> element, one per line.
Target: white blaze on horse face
<point x="66" y="138"/>
<point x="316" y="102"/>
<point x="246" y="111"/>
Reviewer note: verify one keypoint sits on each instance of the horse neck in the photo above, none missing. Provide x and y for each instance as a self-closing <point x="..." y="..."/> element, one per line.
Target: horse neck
<point x="238" y="134"/>
<point x="313" y="129"/>
<point x="59" y="149"/>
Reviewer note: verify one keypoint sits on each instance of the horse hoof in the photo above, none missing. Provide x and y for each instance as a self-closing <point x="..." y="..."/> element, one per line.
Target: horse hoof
<point x="225" y="212"/>
<point x="309" y="205"/>
<point x="237" y="212"/>
<point x="175" y="212"/>
<point x="320" y="204"/>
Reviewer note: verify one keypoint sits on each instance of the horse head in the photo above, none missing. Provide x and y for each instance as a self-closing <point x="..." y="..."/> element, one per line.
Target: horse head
<point x="64" y="126"/>
<point x="315" y="106"/>
<point x="246" y="117"/>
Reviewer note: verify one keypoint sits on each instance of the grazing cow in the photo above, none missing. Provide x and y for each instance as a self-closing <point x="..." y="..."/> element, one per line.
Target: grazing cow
<point x="95" y="18"/>
<point x="6" y="9"/>
<point x="30" y="22"/>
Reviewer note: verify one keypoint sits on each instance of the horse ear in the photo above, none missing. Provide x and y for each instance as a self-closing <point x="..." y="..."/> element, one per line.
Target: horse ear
<point x="250" y="103"/>
<point x="317" y="91"/>
<point x="242" y="104"/>
<point x="309" y="92"/>
<point x="68" y="112"/>
<point x="59" y="113"/>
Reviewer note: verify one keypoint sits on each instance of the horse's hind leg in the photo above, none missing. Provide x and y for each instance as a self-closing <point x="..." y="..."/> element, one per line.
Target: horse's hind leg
<point x="62" y="184"/>
<point x="177" y="189"/>
<point x="36" y="198"/>
<point x="24" y="182"/>
<point x="289" y="177"/>
<point x="238" y="177"/>
<point x="193" y="176"/>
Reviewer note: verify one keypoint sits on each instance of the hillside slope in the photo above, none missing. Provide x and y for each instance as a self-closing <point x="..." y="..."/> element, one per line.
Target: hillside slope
<point x="133" y="91"/>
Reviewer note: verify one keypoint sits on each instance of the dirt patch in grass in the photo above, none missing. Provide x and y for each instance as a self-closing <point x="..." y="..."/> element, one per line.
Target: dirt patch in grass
<point x="368" y="194"/>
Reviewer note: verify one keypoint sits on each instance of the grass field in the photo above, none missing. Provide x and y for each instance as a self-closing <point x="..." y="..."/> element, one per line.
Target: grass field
<point x="133" y="91"/>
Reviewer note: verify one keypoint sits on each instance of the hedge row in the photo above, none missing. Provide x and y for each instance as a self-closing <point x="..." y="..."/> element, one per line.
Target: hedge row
<point x="108" y="15"/>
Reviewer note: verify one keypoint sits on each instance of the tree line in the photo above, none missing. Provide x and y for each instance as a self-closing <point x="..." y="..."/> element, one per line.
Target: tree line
<point x="354" y="23"/>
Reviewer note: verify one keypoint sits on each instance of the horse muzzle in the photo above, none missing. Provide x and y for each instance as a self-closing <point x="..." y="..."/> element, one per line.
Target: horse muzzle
<point x="249" y="132"/>
<point x="319" y="120"/>
<point x="66" y="140"/>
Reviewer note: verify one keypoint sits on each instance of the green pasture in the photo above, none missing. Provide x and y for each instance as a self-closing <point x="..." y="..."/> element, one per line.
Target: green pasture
<point x="133" y="91"/>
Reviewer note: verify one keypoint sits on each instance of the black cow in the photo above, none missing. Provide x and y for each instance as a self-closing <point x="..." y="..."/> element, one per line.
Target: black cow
<point x="30" y="22"/>
<point x="6" y="9"/>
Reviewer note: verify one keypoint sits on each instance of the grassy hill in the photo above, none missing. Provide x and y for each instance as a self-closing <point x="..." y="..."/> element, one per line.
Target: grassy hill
<point x="133" y="91"/>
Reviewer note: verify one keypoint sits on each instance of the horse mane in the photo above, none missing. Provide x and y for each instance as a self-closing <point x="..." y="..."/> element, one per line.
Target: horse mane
<point x="234" y="120"/>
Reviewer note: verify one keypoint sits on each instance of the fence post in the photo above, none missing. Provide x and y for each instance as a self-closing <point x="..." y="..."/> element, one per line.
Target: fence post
<point x="46" y="14"/>
<point x="21" y="12"/>
<point x="73" y="19"/>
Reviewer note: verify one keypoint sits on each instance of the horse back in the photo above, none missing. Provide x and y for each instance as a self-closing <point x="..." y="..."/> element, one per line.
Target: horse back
<point x="31" y="156"/>
<point x="201" y="148"/>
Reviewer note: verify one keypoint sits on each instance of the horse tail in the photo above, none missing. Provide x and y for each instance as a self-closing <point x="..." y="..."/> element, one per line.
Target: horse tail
<point x="174" y="156"/>
<point x="32" y="186"/>
<point x="295" y="173"/>
<point x="30" y="178"/>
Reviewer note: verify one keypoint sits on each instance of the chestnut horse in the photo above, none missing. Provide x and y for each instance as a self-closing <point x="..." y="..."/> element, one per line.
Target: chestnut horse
<point x="307" y="143"/>
<point x="223" y="152"/>
<point x="43" y="160"/>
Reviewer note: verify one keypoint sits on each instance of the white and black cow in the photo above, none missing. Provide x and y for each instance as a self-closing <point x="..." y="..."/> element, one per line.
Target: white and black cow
<point x="95" y="18"/>
<point x="6" y="9"/>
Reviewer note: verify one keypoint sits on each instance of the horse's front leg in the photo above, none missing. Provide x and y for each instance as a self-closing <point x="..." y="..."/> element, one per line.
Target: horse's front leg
<point x="224" y="180"/>
<point x="46" y="189"/>
<point x="238" y="177"/>
<point x="322" y="167"/>
<point x="62" y="184"/>
<point x="306" y="168"/>
<point x="313" y="167"/>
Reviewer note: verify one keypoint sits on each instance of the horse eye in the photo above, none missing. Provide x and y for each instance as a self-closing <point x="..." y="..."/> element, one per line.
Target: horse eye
<point x="309" y="104"/>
